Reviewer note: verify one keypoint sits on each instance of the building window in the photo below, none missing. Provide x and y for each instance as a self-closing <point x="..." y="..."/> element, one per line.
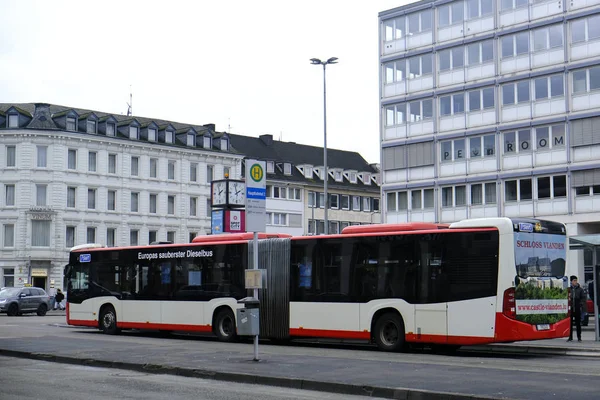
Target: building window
<point x="171" y="170"/>
<point x="208" y="208"/>
<point x="134" y="236"/>
<point x="270" y="167"/>
<point x="294" y="194"/>
<point x="9" y="235"/>
<point x="206" y="142"/>
<point x="111" y="234"/>
<point x="40" y="233"/>
<point x="391" y="201"/>
<point x="224" y="144"/>
<point x="169" y="137"/>
<point x="70" y="236"/>
<point x="366" y="206"/>
<point x="111" y="200"/>
<point x="452" y="58"/>
<point x="135" y="164"/>
<point x="395" y="28"/>
<point x="395" y="71"/>
<point x="454" y="196"/>
<point x="480" y="52"/>
<point x="209" y="173"/>
<point x="548" y="38"/>
<point x="452" y="104"/>
<point x="515" y="45"/>
<point x="153" y="167"/>
<point x="191" y="140"/>
<point x="420" y="110"/>
<point x="135" y="198"/>
<point x="110" y="129"/>
<point x="420" y="22"/>
<point x="91" y="199"/>
<point x="517" y="142"/>
<point x="420" y="199"/>
<point x="152" y="205"/>
<point x="311" y="199"/>
<point x="112" y="163"/>
<point x="279" y="219"/>
<point x="550" y="137"/>
<point x="193" y="172"/>
<point x="42" y="156"/>
<point x="287" y="168"/>
<point x="91" y="234"/>
<point x="375" y="204"/>
<point x="226" y="172"/>
<point x="133" y="132"/>
<point x="549" y="87"/>
<point x="11" y="156"/>
<point x="9" y="277"/>
<point x="92" y="155"/>
<point x="451" y="14"/>
<point x="193" y="206"/>
<point x="90" y="126"/>
<point x="71" y="124"/>
<point x="13" y="120"/>
<point x="479" y="8"/>
<point x="482" y="146"/>
<point x="517" y="190"/>
<point x="585" y="29"/>
<point x="513" y="4"/>
<point x="41" y="195"/>
<point x="152" y="235"/>
<point x="334" y="201"/>
<point x="71" y="192"/>
<point x="453" y="150"/>
<point x="72" y="159"/>
<point x="355" y="203"/>
<point x="395" y="114"/>
<point x="151" y="134"/>
<point x="9" y="195"/>
<point x="419" y="66"/>
<point x="191" y="236"/>
<point x="279" y="192"/>
<point x="551" y="187"/>
<point x="481" y="99"/>
<point x="586" y="80"/>
<point x="483" y="194"/>
<point x="171" y="236"/>
<point x="515" y="93"/>
<point x="171" y="205"/>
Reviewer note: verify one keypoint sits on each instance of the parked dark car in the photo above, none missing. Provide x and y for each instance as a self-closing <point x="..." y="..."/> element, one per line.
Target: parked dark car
<point x="17" y="301"/>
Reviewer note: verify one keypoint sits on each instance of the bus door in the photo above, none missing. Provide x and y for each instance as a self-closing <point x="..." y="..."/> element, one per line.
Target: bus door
<point x="431" y="307"/>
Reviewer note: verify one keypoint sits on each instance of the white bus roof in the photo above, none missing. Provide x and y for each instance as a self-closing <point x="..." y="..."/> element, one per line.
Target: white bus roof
<point x="87" y="246"/>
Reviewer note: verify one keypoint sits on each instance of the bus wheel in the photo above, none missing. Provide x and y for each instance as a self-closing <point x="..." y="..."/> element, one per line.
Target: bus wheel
<point x="389" y="332"/>
<point x="108" y="321"/>
<point x="225" y="326"/>
<point x="13" y="310"/>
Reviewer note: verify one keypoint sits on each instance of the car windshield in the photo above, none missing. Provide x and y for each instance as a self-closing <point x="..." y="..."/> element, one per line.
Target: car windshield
<point x="8" y="292"/>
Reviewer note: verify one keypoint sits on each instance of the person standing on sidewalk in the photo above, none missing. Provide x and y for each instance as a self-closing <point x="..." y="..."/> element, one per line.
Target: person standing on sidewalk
<point x="59" y="298"/>
<point x="578" y="299"/>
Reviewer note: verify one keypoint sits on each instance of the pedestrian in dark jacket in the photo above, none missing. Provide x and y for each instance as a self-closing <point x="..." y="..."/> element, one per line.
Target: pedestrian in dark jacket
<point x="578" y="300"/>
<point x="58" y="300"/>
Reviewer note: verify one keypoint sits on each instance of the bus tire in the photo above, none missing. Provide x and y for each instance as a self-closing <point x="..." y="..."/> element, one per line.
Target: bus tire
<point x="389" y="332"/>
<point x="108" y="321"/>
<point x="225" y="326"/>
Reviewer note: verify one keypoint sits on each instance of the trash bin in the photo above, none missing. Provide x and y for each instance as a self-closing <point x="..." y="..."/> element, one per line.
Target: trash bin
<point x="248" y="317"/>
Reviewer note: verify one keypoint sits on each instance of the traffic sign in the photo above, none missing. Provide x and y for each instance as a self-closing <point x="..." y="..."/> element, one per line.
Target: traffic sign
<point x="256" y="196"/>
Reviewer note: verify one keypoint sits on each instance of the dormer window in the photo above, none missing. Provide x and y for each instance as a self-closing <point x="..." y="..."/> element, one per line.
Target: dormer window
<point x="287" y="168"/>
<point x="224" y="144"/>
<point x="71" y="124"/>
<point x="13" y="121"/>
<point x="169" y="136"/>
<point x="353" y="177"/>
<point x="270" y="167"/>
<point x="308" y="172"/>
<point x="338" y="176"/>
<point x="206" y="142"/>
<point x="191" y="140"/>
<point x="90" y="126"/>
<point x="366" y="178"/>
<point x="110" y="129"/>
<point x="133" y="132"/>
<point x="151" y="135"/>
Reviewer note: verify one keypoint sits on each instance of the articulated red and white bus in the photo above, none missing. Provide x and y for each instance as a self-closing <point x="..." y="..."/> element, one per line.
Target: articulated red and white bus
<point x="472" y="282"/>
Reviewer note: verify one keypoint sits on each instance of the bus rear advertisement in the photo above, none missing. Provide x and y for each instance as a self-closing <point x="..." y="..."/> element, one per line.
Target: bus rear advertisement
<point x="472" y="282"/>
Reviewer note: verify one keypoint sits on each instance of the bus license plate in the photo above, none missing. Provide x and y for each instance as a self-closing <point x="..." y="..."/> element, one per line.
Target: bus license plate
<point x="543" y="327"/>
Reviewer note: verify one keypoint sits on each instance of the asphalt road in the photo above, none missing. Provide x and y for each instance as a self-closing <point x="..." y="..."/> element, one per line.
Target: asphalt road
<point x="34" y="379"/>
<point x="498" y="376"/>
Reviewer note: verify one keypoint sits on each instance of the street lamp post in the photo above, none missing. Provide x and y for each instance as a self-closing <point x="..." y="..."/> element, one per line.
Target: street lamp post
<point x="316" y="61"/>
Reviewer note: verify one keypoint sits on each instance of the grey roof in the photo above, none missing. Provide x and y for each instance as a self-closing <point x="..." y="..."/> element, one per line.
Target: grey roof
<point x="42" y="118"/>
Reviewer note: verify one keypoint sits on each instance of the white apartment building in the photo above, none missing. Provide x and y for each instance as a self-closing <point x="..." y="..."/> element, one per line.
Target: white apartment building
<point x="491" y="108"/>
<point x="72" y="176"/>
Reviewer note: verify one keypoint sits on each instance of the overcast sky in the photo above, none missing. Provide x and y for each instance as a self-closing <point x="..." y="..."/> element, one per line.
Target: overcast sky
<point x="242" y="65"/>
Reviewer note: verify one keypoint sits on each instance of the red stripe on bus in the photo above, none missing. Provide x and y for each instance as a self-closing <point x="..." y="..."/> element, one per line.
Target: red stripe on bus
<point x="329" y="334"/>
<point x="510" y="330"/>
<point x="166" y="327"/>
<point x="443" y="339"/>
<point x="82" y="322"/>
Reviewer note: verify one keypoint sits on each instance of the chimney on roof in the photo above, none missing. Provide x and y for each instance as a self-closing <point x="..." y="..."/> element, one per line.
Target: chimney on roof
<point x="42" y="119"/>
<point x="210" y="126"/>
<point x="267" y="139"/>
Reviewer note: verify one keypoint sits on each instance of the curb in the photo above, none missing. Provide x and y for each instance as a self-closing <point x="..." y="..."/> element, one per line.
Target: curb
<point x="538" y="350"/>
<point x="292" y="383"/>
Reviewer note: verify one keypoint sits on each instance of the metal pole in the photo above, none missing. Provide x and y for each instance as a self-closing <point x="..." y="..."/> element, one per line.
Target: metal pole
<point x="595" y="285"/>
<point x="255" y="294"/>
<point x="326" y="178"/>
